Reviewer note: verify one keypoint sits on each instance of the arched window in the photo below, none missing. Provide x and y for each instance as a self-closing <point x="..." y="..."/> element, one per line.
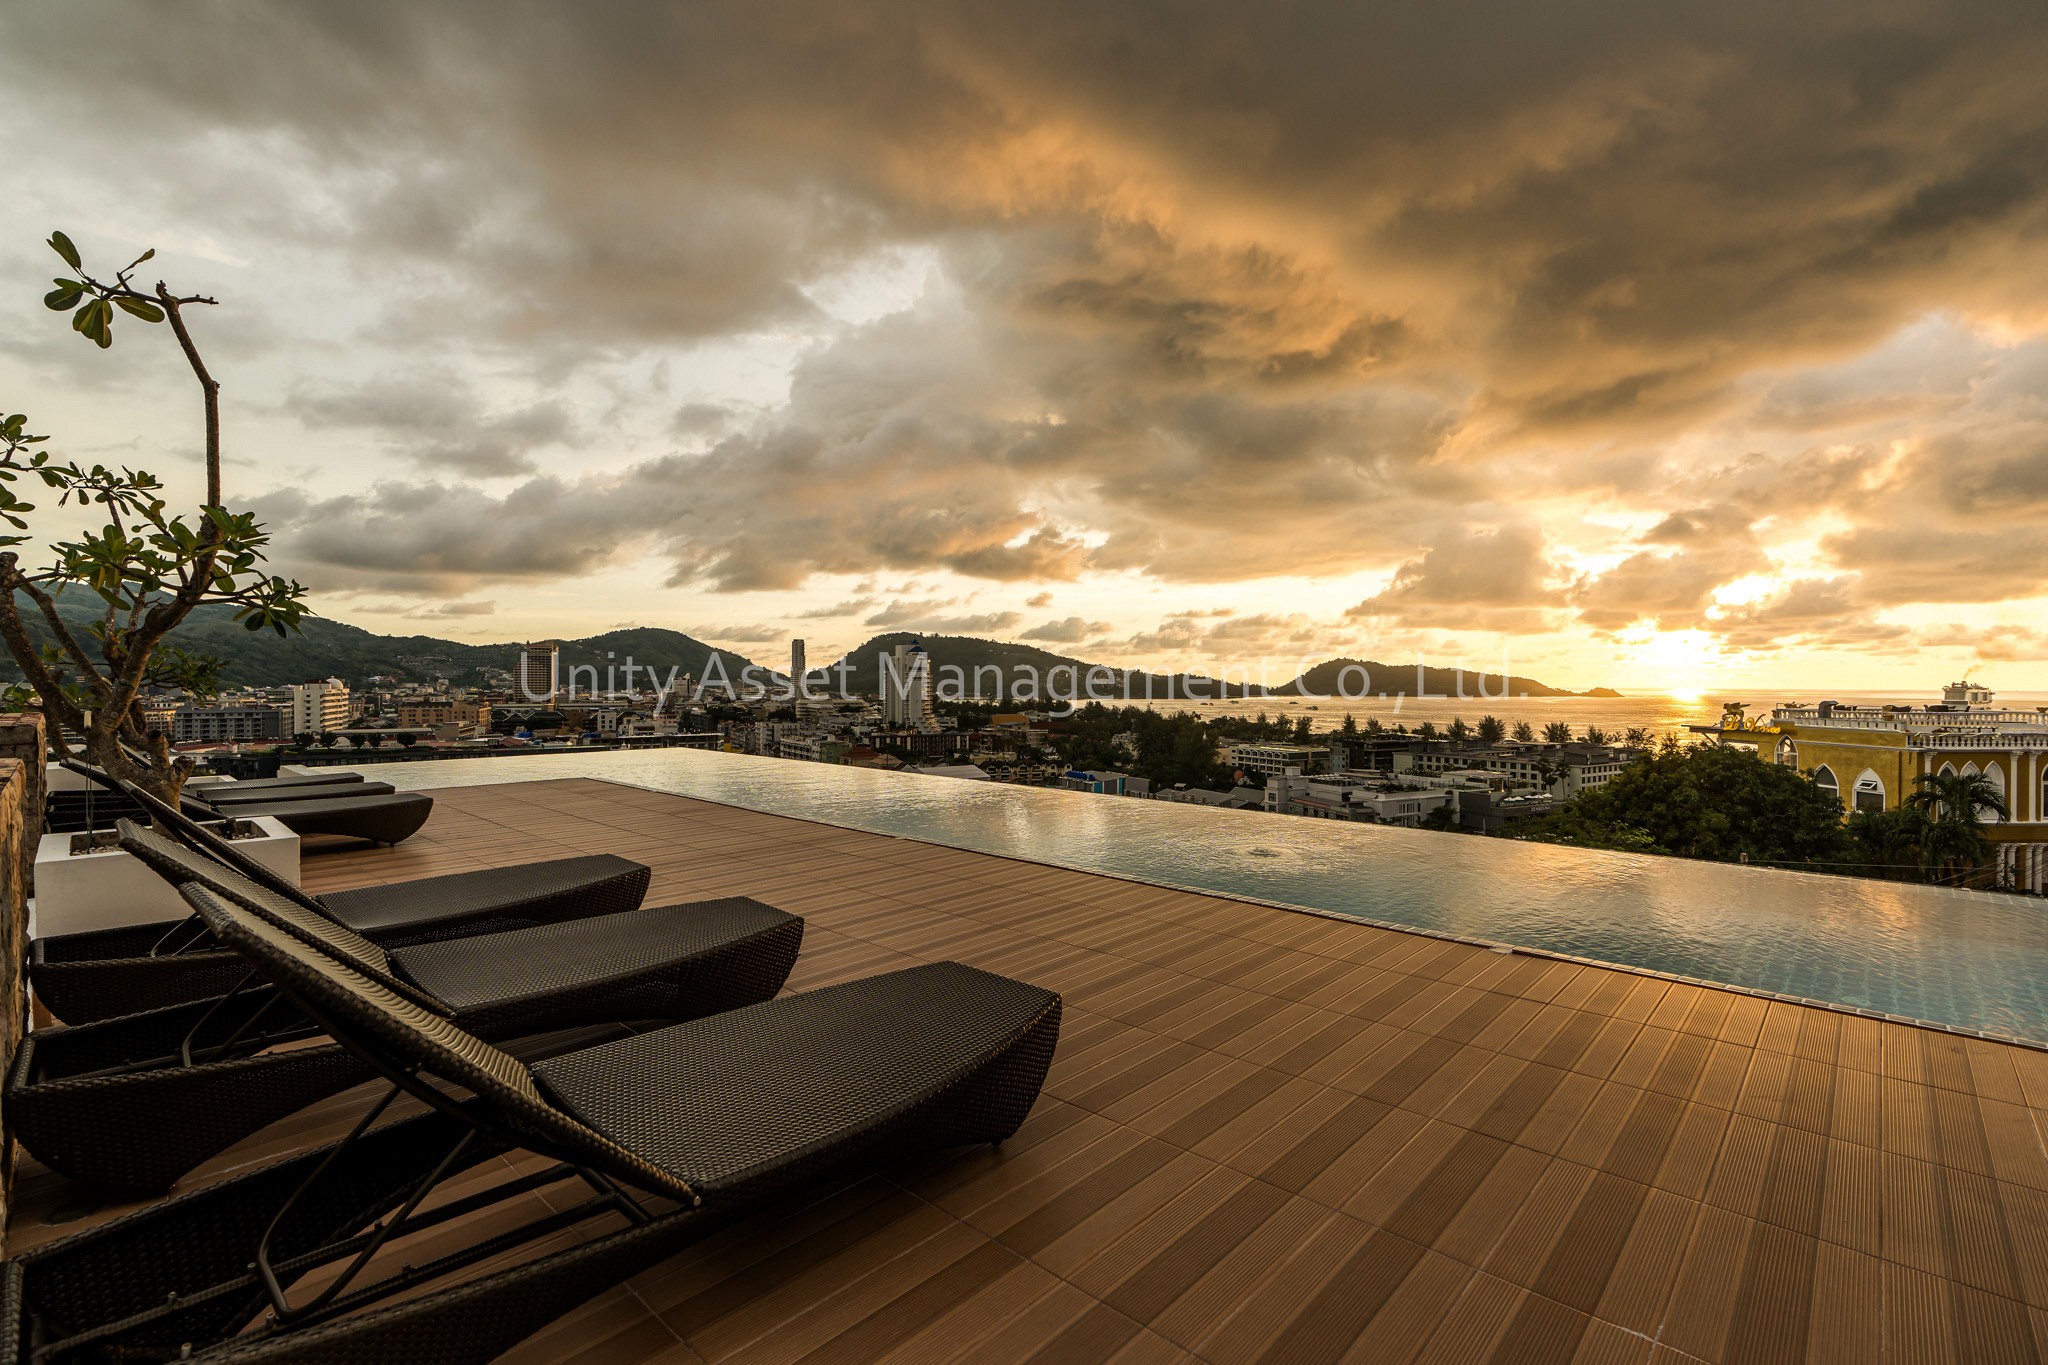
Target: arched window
<point x="1995" y="775"/>
<point x="1948" y="770"/>
<point x="1824" y="778"/>
<point x="1788" y="752"/>
<point x="1869" y="792"/>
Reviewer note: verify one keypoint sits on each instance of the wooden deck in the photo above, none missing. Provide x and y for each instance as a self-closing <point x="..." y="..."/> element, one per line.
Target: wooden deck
<point x="1273" y="1136"/>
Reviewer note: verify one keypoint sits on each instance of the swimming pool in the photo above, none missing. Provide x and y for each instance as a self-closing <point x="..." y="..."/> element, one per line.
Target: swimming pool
<point x="1972" y="959"/>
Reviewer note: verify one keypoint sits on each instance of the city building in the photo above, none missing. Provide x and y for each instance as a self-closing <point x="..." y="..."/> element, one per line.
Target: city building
<point x="1270" y="760"/>
<point x="158" y="712"/>
<point x="226" y="724"/>
<point x="1347" y="796"/>
<point x="810" y="747"/>
<point x="932" y="743"/>
<point x="1101" y="783"/>
<point x="314" y="707"/>
<point x="1006" y="765"/>
<point x="538" y="678"/>
<point x="1560" y="769"/>
<point x="906" y="682"/>
<point x="1870" y="757"/>
<point x="1237" y="798"/>
<point x="433" y="712"/>
<point x="965" y="771"/>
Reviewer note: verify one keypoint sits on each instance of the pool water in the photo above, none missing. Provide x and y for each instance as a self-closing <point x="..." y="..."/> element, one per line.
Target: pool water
<point x="1974" y="959"/>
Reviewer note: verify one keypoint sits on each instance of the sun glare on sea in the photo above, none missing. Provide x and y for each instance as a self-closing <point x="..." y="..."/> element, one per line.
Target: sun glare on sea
<point x="1682" y="661"/>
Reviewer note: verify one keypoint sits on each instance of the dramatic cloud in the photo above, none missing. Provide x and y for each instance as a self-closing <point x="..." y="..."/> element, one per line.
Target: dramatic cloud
<point x="1501" y="576"/>
<point x="434" y="419"/>
<point x="738" y="635"/>
<point x="452" y="610"/>
<point x="1572" y="320"/>
<point x="1071" y="631"/>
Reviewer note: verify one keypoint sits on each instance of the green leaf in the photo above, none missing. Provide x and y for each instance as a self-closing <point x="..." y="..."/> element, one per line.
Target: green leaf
<point x="64" y="297"/>
<point x="95" y="323"/>
<point x="61" y="244"/>
<point x="141" y="308"/>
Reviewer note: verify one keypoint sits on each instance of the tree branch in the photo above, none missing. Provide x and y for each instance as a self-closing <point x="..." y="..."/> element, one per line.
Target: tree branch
<point x="210" y="386"/>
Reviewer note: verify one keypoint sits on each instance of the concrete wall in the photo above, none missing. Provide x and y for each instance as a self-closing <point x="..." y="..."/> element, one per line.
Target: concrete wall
<point x="22" y="757"/>
<point x="14" y="814"/>
<point x="22" y="738"/>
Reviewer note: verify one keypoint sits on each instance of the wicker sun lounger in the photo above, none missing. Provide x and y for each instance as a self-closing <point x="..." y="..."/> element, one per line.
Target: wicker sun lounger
<point x="663" y="1136"/>
<point x="107" y="972"/>
<point x="138" y="1101"/>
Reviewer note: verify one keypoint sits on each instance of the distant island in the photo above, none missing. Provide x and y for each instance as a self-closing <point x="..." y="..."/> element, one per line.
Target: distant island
<point x="327" y="648"/>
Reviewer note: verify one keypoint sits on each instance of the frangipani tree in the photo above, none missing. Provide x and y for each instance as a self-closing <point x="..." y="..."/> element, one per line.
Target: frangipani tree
<point x="145" y="569"/>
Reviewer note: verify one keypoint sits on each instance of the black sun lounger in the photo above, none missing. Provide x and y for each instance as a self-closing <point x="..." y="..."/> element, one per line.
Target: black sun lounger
<point x="387" y="818"/>
<point x="239" y="794"/>
<point x="656" y="1140"/>
<point x="140" y="1100"/>
<point x="333" y="777"/>
<point x="106" y="972"/>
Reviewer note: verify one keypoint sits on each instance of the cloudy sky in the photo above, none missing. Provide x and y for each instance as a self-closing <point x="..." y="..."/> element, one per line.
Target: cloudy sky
<point x="1646" y="345"/>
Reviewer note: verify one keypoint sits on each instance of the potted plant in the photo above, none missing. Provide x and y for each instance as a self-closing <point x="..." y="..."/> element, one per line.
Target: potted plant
<point x="142" y="572"/>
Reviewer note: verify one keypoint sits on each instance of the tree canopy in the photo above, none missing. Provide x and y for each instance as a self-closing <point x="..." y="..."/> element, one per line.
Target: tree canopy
<point x="1704" y="802"/>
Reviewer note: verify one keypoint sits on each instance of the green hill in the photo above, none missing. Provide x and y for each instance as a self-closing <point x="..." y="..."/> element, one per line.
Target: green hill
<point x="967" y="654"/>
<point x="325" y="648"/>
<point x="1343" y="677"/>
<point x="1056" y="673"/>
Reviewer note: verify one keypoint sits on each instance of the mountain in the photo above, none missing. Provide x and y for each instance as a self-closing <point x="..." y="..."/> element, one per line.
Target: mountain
<point x="325" y="648"/>
<point x="967" y="654"/>
<point x="1054" y="673"/>
<point x="1368" y="677"/>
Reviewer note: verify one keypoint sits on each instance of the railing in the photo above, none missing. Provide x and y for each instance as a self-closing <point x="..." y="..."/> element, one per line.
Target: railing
<point x="1871" y="718"/>
<point x="1981" y="739"/>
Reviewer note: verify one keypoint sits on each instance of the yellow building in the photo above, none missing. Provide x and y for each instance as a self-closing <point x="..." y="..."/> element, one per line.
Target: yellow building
<point x="1870" y="756"/>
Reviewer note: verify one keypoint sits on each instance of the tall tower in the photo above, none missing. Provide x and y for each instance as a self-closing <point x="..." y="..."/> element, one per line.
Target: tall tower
<point x="536" y="681"/>
<point x="907" y="689"/>
<point x="796" y="665"/>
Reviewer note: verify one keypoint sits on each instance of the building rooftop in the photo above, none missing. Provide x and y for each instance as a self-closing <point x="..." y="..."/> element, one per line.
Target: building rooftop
<point x="1273" y="1135"/>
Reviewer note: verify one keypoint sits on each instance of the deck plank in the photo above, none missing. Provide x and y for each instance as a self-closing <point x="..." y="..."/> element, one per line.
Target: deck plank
<point x="1273" y="1136"/>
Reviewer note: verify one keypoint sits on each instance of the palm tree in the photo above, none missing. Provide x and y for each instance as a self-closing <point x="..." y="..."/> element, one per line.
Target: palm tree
<point x="1557" y="732"/>
<point x="1491" y="730"/>
<point x="1954" y="803"/>
<point x="1638" y="737"/>
<point x="1595" y="735"/>
<point x="1892" y="841"/>
<point x="1525" y="733"/>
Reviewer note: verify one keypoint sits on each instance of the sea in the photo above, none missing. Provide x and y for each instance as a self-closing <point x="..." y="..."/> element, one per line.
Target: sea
<point x="1661" y="712"/>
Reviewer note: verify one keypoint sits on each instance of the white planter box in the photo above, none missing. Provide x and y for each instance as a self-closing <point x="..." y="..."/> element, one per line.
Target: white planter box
<point x="108" y="888"/>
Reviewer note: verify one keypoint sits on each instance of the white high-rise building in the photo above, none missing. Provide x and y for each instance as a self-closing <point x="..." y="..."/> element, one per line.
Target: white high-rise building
<point x="317" y="706"/>
<point x="796" y="666"/>
<point x="907" y="689"/>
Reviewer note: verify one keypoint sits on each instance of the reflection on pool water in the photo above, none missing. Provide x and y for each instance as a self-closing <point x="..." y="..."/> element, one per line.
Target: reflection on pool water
<point x="1974" y="959"/>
